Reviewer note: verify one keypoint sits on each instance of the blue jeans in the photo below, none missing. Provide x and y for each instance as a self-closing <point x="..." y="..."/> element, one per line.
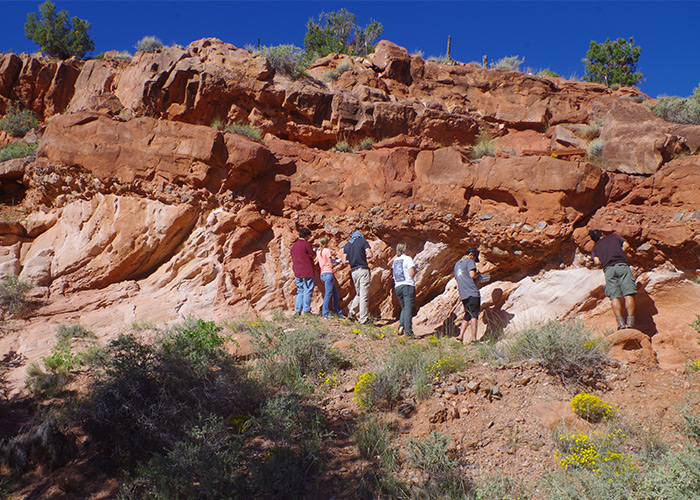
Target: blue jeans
<point x="331" y="292"/>
<point x="407" y="297"/>
<point x="305" y="287"/>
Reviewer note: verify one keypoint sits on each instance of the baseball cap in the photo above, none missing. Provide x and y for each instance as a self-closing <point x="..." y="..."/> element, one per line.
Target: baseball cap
<point x="475" y="251"/>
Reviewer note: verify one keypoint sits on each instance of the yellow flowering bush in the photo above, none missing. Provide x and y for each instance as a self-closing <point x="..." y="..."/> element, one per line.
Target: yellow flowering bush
<point x="447" y="364"/>
<point x="330" y="380"/>
<point x="362" y="389"/>
<point x="590" y="407"/>
<point x="579" y="450"/>
<point x="239" y="423"/>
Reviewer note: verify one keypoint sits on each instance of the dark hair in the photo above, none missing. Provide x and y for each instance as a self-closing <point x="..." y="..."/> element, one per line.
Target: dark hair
<point x="474" y="252"/>
<point x="595" y="234"/>
<point x="304" y="232"/>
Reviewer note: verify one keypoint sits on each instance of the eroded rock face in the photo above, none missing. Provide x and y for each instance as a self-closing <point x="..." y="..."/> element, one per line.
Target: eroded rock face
<point x="162" y="215"/>
<point x="106" y="240"/>
<point x="145" y="149"/>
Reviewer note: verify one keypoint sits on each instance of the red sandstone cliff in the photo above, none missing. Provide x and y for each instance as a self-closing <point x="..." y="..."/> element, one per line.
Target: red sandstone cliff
<point x="139" y="210"/>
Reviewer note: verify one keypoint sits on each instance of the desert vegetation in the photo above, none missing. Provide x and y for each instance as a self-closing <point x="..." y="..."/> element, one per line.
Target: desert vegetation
<point x="679" y="109"/>
<point x="148" y="44"/>
<point x="57" y="33"/>
<point x="179" y="417"/>
<point x="17" y="122"/>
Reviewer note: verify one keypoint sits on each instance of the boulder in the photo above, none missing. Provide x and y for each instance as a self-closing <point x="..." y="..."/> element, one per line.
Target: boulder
<point x="631" y="346"/>
<point x="393" y="62"/>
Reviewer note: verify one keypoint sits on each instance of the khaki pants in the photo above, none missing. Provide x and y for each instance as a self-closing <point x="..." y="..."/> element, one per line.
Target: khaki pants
<point x="360" y="278"/>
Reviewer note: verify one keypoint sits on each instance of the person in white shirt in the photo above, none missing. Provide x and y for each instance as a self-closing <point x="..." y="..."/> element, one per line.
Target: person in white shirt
<point x="404" y="271"/>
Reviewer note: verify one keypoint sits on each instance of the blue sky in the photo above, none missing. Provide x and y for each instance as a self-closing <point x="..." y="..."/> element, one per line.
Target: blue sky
<point x="547" y="34"/>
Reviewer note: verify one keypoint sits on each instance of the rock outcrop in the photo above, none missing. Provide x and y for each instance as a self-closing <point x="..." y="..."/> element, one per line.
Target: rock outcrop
<point x="136" y="204"/>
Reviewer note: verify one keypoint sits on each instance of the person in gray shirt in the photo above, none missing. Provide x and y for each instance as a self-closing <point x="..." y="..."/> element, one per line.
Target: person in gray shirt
<point x="466" y="275"/>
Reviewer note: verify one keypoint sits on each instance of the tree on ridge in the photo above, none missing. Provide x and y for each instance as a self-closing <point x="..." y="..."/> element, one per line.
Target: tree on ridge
<point x="613" y="62"/>
<point x="57" y="34"/>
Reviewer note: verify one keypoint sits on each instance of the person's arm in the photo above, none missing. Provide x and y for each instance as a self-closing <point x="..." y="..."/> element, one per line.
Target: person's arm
<point x="344" y="258"/>
<point x="368" y="252"/>
<point x="596" y="260"/>
<point x="626" y="246"/>
<point x="411" y="271"/>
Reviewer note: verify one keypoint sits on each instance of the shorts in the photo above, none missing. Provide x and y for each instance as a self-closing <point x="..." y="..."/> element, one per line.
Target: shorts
<point x="472" y="306"/>
<point x="619" y="281"/>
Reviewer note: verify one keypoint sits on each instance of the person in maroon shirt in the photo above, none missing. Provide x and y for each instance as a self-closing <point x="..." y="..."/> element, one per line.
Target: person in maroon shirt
<point x="303" y="266"/>
<point x="609" y="252"/>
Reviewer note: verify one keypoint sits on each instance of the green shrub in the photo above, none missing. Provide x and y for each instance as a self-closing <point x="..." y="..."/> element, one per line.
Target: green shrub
<point x="547" y="73"/>
<point x="338" y="32"/>
<point x="408" y="367"/>
<point x="55" y="374"/>
<point x="374" y="440"/>
<point x="56" y="34"/>
<point x="286" y="59"/>
<point x="678" y="109"/>
<point x="343" y="147"/>
<point x="365" y="144"/>
<point x="149" y="397"/>
<point x="512" y="63"/>
<point x="18" y="122"/>
<point x="499" y="487"/>
<point x="205" y="464"/>
<point x="242" y="128"/>
<point x="566" y="350"/>
<point x="122" y="55"/>
<point x="594" y="151"/>
<point x="13" y="295"/>
<point x="148" y="44"/>
<point x="330" y="75"/>
<point x="17" y="149"/>
<point x="292" y="359"/>
<point x="343" y="67"/>
<point x="432" y="456"/>
<point x="588" y="131"/>
<point x="76" y="331"/>
<point x="484" y="145"/>
<point x="94" y="355"/>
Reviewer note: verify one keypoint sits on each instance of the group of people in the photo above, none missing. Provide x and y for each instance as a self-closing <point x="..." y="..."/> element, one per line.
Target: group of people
<point x="356" y="253"/>
<point x="608" y="251"/>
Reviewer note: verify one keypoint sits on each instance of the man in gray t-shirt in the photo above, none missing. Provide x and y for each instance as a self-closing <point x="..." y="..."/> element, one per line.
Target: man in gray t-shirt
<point x="466" y="275"/>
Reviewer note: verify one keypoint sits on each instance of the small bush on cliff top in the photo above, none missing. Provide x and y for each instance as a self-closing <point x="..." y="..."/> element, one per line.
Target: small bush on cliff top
<point x="512" y="63"/>
<point x="148" y="44"/>
<point x="547" y="73"/>
<point x="679" y="109"/>
<point x="286" y="59"/>
<point x="18" y="122"/>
